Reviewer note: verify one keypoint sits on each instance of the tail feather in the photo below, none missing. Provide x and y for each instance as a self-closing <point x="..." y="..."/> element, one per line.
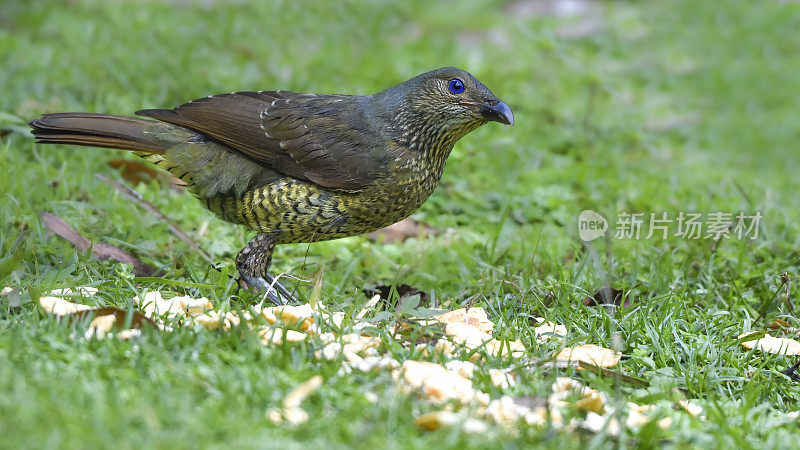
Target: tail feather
<point x="96" y="130"/>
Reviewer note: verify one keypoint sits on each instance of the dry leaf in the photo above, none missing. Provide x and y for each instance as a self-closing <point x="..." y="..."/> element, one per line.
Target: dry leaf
<point x="137" y="319"/>
<point x="590" y="353"/>
<point x="137" y="172"/>
<point x="769" y="344"/>
<point x="778" y="323"/>
<point x="105" y="318"/>
<point x="100" y="250"/>
<point x="317" y="290"/>
<point x="401" y="231"/>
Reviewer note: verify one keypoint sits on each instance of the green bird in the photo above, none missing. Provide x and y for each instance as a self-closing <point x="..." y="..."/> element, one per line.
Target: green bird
<point x="299" y="167"/>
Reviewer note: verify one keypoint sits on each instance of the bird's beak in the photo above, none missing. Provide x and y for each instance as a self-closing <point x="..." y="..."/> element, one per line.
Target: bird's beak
<point x="498" y="113"/>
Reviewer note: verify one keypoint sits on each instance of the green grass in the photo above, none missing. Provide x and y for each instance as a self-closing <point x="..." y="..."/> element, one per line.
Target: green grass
<point x="666" y="107"/>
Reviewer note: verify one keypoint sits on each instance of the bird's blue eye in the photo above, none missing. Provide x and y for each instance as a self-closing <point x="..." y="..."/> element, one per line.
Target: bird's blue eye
<point x="456" y="86"/>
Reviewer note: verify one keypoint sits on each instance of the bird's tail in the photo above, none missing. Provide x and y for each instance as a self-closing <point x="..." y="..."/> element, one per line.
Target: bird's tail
<point x="98" y="130"/>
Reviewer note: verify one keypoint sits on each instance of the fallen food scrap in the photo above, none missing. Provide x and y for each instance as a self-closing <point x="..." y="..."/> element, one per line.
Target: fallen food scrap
<point x="437" y="419"/>
<point x="475" y="317"/>
<point x="437" y="384"/>
<point x="548" y="330"/>
<point x="61" y="307"/>
<point x="590" y="353"/>
<point x="104" y="318"/>
<point x="153" y="305"/>
<point x="465" y="340"/>
<point x="401" y="231"/>
<point x="290" y="410"/>
<point x="770" y="344"/>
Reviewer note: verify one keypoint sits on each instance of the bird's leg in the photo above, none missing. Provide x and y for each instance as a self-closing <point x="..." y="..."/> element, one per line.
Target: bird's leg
<point x="253" y="261"/>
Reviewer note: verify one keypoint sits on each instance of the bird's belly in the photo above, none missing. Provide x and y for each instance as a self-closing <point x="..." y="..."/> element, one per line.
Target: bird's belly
<point x="296" y="211"/>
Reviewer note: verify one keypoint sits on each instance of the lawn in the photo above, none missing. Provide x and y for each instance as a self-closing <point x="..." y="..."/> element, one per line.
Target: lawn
<point x="651" y="108"/>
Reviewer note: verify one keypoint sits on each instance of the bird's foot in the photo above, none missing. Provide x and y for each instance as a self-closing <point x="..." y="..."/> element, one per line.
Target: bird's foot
<point x="272" y="289"/>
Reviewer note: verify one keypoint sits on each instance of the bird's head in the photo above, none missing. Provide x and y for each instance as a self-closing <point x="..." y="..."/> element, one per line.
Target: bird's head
<point x="449" y="101"/>
<point x="456" y="96"/>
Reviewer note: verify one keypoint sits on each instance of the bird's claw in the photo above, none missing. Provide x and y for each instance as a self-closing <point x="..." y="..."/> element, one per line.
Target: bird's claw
<point x="274" y="291"/>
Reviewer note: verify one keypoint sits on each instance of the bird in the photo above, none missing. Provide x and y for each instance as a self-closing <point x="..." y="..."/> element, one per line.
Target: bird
<point x="297" y="167"/>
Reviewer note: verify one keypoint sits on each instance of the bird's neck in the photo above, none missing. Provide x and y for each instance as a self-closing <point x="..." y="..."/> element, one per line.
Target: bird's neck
<point x="428" y="134"/>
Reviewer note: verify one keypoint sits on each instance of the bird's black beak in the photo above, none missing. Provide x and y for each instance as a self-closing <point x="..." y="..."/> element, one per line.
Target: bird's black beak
<point x="499" y="112"/>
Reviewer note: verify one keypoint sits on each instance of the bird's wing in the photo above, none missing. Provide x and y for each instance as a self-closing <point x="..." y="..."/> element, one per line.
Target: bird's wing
<point x="319" y="138"/>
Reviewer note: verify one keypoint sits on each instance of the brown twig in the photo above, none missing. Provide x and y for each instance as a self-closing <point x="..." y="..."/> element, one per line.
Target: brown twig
<point x="173" y="227"/>
<point x="100" y="250"/>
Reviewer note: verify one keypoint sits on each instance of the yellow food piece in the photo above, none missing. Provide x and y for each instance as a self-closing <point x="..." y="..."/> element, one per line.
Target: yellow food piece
<point x="276" y="336"/>
<point x="590" y="354"/>
<point x="61" y="307"/>
<point x="503" y="379"/>
<point x="770" y="344"/>
<point x="435" y="382"/>
<point x="302" y="314"/>
<point x="548" y="330"/>
<point x="473" y="316"/>
<point x="298" y="394"/>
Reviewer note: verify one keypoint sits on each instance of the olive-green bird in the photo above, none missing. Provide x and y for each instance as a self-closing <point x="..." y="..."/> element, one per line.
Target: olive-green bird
<point x="299" y="167"/>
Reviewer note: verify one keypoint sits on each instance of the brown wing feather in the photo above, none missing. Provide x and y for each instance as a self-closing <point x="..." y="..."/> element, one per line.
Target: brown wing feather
<point x="305" y="136"/>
